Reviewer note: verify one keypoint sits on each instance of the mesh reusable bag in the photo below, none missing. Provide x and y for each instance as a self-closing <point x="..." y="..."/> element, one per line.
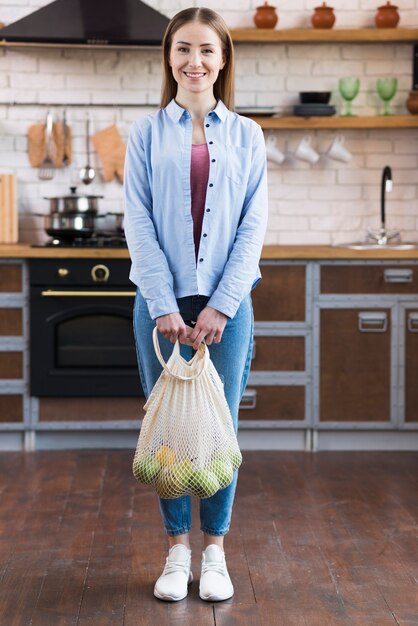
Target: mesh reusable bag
<point x="187" y="443"/>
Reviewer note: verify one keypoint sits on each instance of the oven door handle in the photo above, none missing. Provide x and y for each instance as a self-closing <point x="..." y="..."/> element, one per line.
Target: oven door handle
<point x="77" y="294"/>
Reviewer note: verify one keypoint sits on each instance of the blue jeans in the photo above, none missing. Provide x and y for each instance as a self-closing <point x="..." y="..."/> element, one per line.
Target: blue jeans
<point x="232" y="359"/>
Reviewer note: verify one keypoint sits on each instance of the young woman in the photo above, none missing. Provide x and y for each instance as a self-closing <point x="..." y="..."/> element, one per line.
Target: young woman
<point x="195" y="219"/>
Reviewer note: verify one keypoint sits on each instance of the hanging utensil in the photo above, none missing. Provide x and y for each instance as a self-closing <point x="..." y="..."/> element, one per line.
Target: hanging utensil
<point x="65" y="159"/>
<point x="87" y="173"/>
<point x="46" y="168"/>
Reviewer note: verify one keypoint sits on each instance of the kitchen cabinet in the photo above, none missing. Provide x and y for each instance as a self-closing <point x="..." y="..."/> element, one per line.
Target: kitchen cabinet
<point x="277" y="390"/>
<point x="12" y="388"/>
<point x="366" y="345"/>
<point x="410" y="365"/>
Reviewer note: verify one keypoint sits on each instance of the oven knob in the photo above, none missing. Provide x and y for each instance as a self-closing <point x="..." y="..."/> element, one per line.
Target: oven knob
<point x="100" y="273"/>
<point x="63" y="272"/>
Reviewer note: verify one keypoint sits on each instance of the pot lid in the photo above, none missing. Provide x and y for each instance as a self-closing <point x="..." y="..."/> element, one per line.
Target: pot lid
<point x="72" y="196"/>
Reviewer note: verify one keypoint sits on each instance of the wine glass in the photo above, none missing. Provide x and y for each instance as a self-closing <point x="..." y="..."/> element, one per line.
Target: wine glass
<point x="349" y="88"/>
<point x="386" y="88"/>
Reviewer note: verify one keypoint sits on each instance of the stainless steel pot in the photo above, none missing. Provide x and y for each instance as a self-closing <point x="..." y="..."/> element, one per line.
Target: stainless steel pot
<point x="74" y="203"/>
<point x="70" y="224"/>
<point x="118" y="222"/>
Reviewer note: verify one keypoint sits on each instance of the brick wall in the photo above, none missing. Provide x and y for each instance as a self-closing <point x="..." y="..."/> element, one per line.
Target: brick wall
<point x="329" y="202"/>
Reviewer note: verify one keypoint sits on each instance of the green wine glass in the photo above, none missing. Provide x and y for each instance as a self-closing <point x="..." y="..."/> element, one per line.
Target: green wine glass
<point x="348" y="88"/>
<point x="386" y="88"/>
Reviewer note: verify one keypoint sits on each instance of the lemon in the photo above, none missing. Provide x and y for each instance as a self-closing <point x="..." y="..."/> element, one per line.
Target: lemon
<point x="203" y="483"/>
<point x="165" y="455"/>
<point x="146" y="468"/>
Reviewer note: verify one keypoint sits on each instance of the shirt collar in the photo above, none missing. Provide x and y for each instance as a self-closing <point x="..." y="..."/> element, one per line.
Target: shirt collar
<point x="175" y="111"/>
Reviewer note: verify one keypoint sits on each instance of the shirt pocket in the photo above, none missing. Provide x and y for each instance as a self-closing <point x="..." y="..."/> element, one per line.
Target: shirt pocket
<point x="236" y="163"/>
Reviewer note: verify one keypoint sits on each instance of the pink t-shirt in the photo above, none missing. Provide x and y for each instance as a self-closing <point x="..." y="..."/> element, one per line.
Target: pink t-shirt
<point x="199" y="174"/>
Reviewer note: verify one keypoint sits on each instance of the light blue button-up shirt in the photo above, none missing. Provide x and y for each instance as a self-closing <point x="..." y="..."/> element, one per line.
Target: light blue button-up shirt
<point x="158" y="219"/>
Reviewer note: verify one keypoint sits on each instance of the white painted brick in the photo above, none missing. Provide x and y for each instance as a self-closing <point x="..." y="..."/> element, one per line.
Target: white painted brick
<point x="399" y="192"/>
<point x="22" y="61"/>
<point x="335" y="192"/>
<point x="406" y="147"/>
<point x="85" y="81"/>
<point x="313" y="52"/>
<point x="330" y="68"/>
<point x="260" y="83"/>
<point x="271" y="238"/>
<point x="397" y="161"/>
<point x="36" y="81"/>
<point x="305" y="237"/>
<point x="367" y="52"/>
<point x="335" y="223"/>
<point x="279" y="222"/>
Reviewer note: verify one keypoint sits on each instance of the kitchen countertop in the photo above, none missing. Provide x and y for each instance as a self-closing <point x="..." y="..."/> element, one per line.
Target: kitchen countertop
<point x="25" y="251"/>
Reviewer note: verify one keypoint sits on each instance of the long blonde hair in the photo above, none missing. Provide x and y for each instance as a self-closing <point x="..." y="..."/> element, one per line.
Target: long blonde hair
<point x="224" y="87"/>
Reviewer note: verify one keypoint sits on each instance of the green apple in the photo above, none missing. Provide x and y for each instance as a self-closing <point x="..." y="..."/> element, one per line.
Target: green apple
<point x="223" y="471"/>
<point x="203" y="483"/>
<point x="164" y="484"/>
<point x="180" y="475"/>
<point x="146" y="468"/>
<point x="235" y="457"/>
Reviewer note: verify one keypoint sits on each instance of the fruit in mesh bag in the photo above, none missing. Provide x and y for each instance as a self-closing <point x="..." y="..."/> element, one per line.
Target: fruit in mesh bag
<point x="146" y="468"/>
<point x="223" y="471"/>
<point x="203" y="483"/>
<point x="235" y="457"/>
<point x="168" y="484"/>
<point x="181" y="473"/>
<point x="165" y="455"/>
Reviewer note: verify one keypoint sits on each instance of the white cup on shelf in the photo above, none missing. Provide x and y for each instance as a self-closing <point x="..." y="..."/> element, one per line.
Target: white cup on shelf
<point x="337" y="151"/>
<point x="273" y="152"/>
<point x="305" y="152"/>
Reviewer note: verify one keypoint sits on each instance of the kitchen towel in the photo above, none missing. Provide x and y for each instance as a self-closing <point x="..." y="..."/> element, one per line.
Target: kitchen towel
<point x="111" y="150"/>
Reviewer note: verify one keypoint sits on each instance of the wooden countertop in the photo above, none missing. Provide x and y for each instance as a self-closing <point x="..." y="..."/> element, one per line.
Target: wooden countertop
<point x="25" y="251"/>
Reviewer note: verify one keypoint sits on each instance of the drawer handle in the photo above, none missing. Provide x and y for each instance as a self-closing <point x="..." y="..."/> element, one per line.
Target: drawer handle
<point x="413" y="322"/>
<point x="253" y="354"/>
<point x="398" y="275"/>
<point x="249" y="399"/>
<point x="372" y="322"/>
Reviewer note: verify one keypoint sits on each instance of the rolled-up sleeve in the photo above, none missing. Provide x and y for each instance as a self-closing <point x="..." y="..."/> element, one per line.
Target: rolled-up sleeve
<point x="150" y="270"/>
<point x="242" y="264"/>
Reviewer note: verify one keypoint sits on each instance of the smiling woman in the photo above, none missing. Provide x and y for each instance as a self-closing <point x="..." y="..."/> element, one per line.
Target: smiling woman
<point x="195" y="219"/>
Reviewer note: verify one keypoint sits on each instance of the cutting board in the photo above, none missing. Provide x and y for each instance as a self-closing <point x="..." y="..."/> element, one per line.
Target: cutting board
<point x="8" y="209"/>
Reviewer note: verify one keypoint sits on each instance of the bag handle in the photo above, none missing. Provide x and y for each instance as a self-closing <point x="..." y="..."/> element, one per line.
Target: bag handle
<point x="202" y="348"/>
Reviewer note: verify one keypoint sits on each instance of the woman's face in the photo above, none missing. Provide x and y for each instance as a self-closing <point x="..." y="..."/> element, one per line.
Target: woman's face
<point x="196" y="57"/>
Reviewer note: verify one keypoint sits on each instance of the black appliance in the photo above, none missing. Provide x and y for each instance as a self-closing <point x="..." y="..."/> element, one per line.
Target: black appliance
<point x="93" y="22"/>
<point x="81" y="331"/>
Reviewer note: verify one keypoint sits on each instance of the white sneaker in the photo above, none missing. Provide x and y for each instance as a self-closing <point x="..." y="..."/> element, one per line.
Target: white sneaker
<point x="215" y="583"/>
<point x="177" y="574"/>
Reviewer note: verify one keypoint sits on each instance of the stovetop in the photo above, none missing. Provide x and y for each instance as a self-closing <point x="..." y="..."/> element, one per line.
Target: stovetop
<point x="95" y="241"/>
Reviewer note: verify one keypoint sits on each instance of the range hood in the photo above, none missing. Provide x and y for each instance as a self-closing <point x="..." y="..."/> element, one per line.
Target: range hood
<point x="91" y="22"/>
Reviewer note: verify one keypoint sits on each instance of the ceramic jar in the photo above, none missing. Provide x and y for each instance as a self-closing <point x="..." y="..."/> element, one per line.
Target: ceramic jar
<point x="323" y="17"/>
<point x="387" y="16"/>
<point x="412" y="102"/>
<point x="265" y="16"/>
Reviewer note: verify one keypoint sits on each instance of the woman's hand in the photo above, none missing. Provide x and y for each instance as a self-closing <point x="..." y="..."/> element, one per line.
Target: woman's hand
<point x="172" y="326"/>
<point x="210" y="326"/>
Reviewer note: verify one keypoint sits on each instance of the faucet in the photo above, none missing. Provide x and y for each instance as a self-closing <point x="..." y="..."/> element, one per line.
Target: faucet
<point x="386" y="186"/>
<point x="382" y="236"/>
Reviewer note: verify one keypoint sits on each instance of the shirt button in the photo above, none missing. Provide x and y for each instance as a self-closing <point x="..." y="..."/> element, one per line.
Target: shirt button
<point x="207" y="125"/>
<point x="200" y="260"/>
<point x="207" y="210"/>
<point x="204" y="234"/>
<point x="210" y="142"/>
<point x="210" y="184"/>
<point x="213" y="160"/>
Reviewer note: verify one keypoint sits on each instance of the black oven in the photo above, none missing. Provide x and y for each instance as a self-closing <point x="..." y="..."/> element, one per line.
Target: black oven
<point x="81" y="333"/>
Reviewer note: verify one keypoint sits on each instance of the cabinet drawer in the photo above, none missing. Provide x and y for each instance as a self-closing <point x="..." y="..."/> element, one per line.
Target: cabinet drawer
<point x="10" y="277"/>
<point x="355" y="365"/>
<point x="11" y="365"/>
<point x="280" y="295"/>
<point x="369" y="279"/>
<point x="280" y="403"/>
<point x="279" y="354"/>
<point x="411" y="365"/>
<point x="11" y="322"/>
<point x="11" y="408"/>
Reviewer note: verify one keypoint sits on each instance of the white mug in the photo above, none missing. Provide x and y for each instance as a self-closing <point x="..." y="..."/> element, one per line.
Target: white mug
<point x="305" y="152"/>
<point x="273" y="152"/>
<point x="337" y="151"/>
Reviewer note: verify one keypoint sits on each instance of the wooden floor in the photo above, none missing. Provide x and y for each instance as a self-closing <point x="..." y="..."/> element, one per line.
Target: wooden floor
<point x="317" y="539"/>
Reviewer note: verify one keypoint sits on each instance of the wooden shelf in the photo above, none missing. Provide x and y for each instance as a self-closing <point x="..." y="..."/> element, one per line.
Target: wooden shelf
<point x="336" y="121"/>
<point x="325" y="35"/>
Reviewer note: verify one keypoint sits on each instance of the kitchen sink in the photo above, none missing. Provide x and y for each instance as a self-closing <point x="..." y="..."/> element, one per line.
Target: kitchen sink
<point x="377" y="246"/>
